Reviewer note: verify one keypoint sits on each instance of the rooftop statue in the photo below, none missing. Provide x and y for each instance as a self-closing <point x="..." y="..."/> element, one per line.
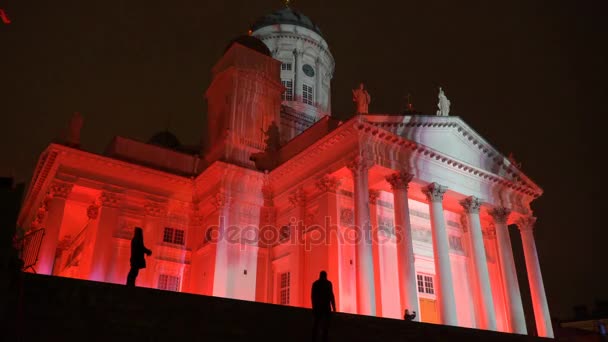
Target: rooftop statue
<point x="361" y="99"/>
<point x="73" y="138"/>
<point x="272" y="139"/>
<point x="443" y="105"/>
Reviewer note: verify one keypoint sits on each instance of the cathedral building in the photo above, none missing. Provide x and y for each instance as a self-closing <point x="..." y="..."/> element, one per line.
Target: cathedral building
<point x="402" y="211"/>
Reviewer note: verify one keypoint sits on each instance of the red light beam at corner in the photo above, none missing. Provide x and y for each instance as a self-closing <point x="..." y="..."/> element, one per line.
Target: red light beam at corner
<point x="4" y="17"/>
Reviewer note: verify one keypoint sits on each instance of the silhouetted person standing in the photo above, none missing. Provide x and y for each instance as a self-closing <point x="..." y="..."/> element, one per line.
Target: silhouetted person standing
<point x="138" y="261"/>
<point x="323" y="303"/>
<point x="409" y="317"/>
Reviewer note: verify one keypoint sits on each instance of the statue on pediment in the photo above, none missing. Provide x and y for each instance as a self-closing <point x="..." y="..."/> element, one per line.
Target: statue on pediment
<point x="361" y="98"/>
<point x="443" y="104"/>
<point x="73" y="138"/>
<point x="513" y="161"/>
<point x="273" y="137"/>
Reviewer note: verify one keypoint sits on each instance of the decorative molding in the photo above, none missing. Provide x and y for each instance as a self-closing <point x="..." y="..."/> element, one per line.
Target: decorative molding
<point x="347" y="217"/>
<point x="358" y="166"/>
<point x="328" y="183"/>
<point x="109" y="199"/>
<point x="221" y="200"/>
<point x="471" y="204"/>
<point x="61" y="189"/>
<point x="434" y="192"/>
<point x="298" y="197"/>
<point x="526" y="223"/>
<point x="157" y="210"/>
<point x="43" y="209"/>
<point x="400" y="180"/>
<point x="373" y="196"/>
<point x="93" y="210"/>
<point x="500" y="215"/>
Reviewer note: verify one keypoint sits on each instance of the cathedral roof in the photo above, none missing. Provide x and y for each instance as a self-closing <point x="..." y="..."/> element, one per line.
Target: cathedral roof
<point x="286" y="15"/>
<point x="250" y="42"/>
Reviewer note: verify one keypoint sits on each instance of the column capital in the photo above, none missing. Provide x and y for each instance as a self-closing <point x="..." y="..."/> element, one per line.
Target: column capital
<point x="109" y="199"/>
<point x="221" y="200"/>
<point x="526" y="223"/>
<point x="399" y="180"/>
<point x="500" y="215"/>
<point x="328" y="183"/>
<point x="434" y="192"/>
<point x="471" y="204"/>
<point x="298" y="197"/>
<point x="373" y="196"/>
<point x="155" y="209"/>
<point x="358" y="165"/>
<point x="60" y="189"/>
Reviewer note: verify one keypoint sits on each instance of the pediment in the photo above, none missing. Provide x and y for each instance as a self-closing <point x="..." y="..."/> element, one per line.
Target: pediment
<point x="452" y="137"/>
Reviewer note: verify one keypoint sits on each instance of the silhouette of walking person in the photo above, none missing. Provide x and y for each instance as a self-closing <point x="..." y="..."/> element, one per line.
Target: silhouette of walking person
<point x="323" y="303"/>
<point x="138" y="261"/>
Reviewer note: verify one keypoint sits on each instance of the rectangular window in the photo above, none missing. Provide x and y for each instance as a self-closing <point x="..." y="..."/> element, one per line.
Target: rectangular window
<point x="286" y="66"/>
<point x="420" y="281"/>
<point x="167" y="282"/>
<point x="168" y="235"/>
<point x="284" y="280"/>
<point x="307" y="95"/>
<point x="425" y="283"/>
<point x="175" y="236"/>
<point x="288" y="93"/>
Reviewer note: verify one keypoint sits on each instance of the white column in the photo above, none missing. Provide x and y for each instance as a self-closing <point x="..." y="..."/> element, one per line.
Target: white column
<point x="515" y="310"/>
<point x="55" y="206"/>
<point x="366" y="301"/>
<point x="537" y="289"/>
<point x="447" y="303"/>
<point x="373" y="209"/>
<point x="471" y="206"/>
<point x="221" y="201"/>
<point x="408" y="292"/>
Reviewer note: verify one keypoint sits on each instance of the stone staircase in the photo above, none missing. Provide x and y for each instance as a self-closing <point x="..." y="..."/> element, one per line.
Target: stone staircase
<point x="63" y="309"/>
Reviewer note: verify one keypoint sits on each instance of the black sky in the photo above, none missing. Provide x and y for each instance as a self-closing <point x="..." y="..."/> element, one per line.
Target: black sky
<point x="527" y="75"/>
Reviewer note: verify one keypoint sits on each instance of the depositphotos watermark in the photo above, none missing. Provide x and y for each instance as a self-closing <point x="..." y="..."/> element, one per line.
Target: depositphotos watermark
<point x="296" y="232"/>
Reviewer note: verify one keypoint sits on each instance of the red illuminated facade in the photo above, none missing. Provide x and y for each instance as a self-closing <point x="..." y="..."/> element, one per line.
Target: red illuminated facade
<point x="402" y="211"/>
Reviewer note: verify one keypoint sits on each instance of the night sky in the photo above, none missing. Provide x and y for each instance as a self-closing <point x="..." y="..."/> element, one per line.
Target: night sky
<point x="527" y="75"/>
